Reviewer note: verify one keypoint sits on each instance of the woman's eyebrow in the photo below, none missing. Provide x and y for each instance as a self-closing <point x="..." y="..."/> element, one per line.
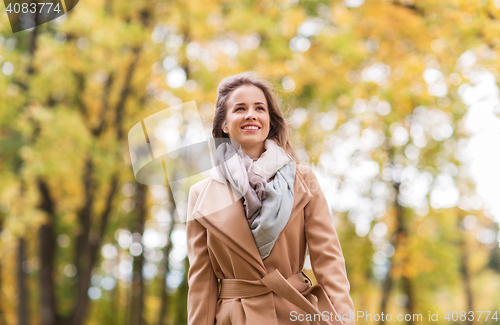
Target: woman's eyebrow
<point x="245" y="104"/>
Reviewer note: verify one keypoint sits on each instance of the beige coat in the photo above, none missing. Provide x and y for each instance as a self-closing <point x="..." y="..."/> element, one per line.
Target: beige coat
<point x="221" y="246"/>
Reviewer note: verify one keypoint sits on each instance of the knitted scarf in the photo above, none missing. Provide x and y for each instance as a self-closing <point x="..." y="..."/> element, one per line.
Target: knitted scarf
<point x="267" y="205"/>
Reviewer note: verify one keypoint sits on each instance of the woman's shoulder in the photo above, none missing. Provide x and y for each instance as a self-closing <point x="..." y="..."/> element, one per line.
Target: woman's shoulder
<point x="303" y="170"/>
<point x="308" y="175"/>
<point x="197" y="187"/>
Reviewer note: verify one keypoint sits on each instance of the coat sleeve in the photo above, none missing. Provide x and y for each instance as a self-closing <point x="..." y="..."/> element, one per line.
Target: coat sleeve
<point x="327" y="261"/>
<point x="203" y="284"/>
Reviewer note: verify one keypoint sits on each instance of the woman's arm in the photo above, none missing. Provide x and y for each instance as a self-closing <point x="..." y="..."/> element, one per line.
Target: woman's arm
<point x="203" y="284"/>
<point x="325" y="252"/>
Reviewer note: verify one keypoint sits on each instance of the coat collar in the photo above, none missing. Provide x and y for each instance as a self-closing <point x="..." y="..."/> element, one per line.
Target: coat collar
<point x="220" y="211"/>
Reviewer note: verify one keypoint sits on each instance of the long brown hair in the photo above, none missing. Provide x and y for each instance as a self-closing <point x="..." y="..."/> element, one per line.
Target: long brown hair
<point x="279" y="130"/>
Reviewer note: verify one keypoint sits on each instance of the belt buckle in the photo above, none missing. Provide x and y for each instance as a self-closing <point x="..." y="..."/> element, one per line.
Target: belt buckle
<point x="305" y="275"/>
<point x="313" y="299"/>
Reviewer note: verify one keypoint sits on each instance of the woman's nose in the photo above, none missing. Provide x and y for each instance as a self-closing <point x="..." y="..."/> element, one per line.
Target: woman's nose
<point x="250" y="114"/>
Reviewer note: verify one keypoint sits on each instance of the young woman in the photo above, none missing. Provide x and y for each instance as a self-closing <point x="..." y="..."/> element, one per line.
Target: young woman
<point x="250" y="221"/>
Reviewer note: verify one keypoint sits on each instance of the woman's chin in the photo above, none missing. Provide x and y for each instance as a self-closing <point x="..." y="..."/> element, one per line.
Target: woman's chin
<point x="250" y="142"/>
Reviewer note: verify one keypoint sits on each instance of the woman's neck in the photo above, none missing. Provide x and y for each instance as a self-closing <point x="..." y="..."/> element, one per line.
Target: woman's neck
<point x="254" y="152"/>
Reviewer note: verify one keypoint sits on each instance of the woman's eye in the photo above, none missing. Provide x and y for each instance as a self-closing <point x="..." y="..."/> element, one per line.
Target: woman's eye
<point x="262" y="108"/>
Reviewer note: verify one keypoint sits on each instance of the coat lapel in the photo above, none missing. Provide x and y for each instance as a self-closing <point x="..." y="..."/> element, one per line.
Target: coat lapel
<point x="301" y="196"/>
<point x="219" y="208"/>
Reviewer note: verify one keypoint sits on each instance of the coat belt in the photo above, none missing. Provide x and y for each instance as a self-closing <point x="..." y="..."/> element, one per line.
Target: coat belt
<point x="294" y="289"/>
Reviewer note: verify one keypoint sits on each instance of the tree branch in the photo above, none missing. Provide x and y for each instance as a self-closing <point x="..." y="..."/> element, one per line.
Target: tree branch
<point x="105" y="106"/>
<point x="80" y="80"/>
<point x="412" y="7"/>
<point x="120" y="106"/>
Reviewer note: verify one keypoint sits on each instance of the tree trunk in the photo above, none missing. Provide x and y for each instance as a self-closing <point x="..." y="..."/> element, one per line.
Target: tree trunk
<point x="87" y="253"/>
<point x="181" y="316"/>
<point x="47" y="250"/>
<point x="386" y="291"/>
<point x="82" y="247"/>
<point x="2" y="314"/>
<point x="408" y="289"/>
<point x="22" y="307"/>
<point x="465" y="271"/>
<point x="137" y="287"/>
<point x="396" y="241"/>
<point x="165" y="296"/>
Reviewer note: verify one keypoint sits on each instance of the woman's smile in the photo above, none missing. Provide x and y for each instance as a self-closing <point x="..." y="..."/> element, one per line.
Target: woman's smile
<point x="250" y="127"/>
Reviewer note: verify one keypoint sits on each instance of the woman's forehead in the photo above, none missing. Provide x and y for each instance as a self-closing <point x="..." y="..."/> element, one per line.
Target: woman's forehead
<point x="246" y="94"/>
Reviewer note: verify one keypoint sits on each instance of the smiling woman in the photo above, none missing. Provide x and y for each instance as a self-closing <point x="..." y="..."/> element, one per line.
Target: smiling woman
<point x="249" y="223"/>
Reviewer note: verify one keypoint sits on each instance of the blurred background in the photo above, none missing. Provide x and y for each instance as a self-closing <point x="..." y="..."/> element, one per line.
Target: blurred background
<point x="395" y="104"/>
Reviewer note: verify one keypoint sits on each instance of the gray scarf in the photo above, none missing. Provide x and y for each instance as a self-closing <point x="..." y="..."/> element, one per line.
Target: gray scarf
<point x="267" y="205"/>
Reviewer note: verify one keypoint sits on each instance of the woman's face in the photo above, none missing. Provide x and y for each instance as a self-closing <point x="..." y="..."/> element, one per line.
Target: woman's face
<point x="247" y="106"/>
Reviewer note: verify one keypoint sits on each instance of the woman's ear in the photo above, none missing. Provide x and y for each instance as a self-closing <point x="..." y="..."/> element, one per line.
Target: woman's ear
<point x="224" y="128"/>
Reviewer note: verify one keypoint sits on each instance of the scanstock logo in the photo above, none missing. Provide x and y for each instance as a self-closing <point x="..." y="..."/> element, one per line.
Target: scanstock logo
<point x="26" y="14"/>
<point x="172" y="148"/>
